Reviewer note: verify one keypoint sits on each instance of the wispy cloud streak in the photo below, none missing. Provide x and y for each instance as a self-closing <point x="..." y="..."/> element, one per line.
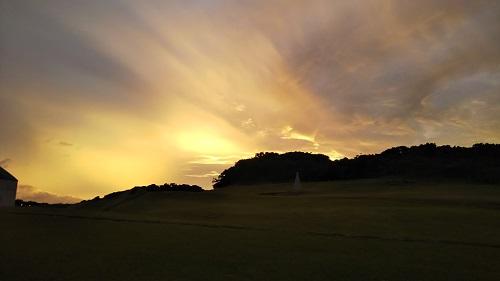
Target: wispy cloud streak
<point x="147" y="89"/>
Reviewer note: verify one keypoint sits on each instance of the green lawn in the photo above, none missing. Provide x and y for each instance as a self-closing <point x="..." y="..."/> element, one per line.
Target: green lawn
<point x="352" y="230"/>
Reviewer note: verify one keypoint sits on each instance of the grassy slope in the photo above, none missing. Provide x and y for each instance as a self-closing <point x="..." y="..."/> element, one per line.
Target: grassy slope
<point x="356" y="230"/>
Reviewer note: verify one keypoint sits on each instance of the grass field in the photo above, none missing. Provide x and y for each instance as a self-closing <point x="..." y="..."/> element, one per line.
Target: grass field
<point x="352" y="230"/>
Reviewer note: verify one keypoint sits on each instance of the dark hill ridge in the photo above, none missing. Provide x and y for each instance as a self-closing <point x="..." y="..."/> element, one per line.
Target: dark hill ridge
<point x="120" y="197"/>
<point x="479" y="163"/>
<point x="168" y="187"/>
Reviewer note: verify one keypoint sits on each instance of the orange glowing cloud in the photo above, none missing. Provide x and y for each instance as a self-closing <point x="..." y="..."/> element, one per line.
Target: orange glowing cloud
<point x="103" y="96"/>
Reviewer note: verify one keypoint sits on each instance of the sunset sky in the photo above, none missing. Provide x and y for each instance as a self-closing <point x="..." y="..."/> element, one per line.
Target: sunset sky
<point x="98" y="96"/>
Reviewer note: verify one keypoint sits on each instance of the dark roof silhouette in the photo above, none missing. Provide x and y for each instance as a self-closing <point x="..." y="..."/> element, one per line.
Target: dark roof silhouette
<point x="4" y="175"/>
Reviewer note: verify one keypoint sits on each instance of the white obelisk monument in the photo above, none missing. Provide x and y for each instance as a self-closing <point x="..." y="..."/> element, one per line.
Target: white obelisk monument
<point x="296" y="184"/>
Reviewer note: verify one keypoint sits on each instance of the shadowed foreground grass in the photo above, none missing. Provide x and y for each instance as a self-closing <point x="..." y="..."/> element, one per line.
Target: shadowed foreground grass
<point x="357" y="230"/>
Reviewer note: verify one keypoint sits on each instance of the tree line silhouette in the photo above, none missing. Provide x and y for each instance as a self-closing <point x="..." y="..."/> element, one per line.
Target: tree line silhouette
<point x="479" y="163"/>
<point x="29" y="204"/>
<point x="167" y="187"/>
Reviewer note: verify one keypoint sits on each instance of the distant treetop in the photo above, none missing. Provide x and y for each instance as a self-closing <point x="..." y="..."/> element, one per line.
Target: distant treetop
<point x="481" y="162"/>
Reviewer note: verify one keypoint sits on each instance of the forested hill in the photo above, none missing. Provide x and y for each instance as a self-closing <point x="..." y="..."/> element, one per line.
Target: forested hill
<point x="479" y="163"/>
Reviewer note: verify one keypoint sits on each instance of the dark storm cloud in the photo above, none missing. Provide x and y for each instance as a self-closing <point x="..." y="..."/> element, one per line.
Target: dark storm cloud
<point x="385" y="62"/>
<point x="39" y="48"/>
<point x="16" y="130"/>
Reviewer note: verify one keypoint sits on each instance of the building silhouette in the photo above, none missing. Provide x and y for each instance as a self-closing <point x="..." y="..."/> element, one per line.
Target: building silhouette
<point x="8" y="189"/>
